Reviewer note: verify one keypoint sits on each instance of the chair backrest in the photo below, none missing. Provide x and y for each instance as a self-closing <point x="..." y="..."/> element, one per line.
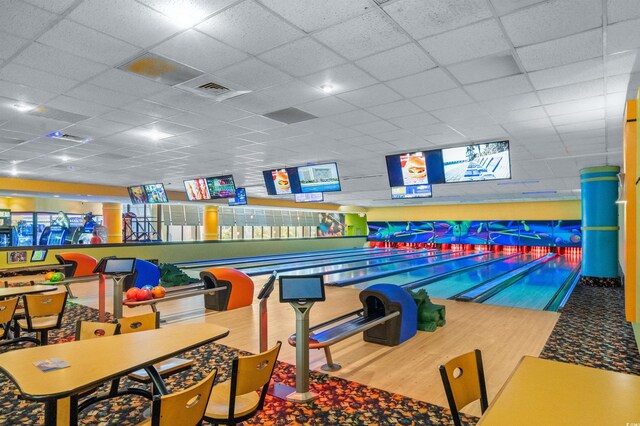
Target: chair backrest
<point x="252" y="373"/>
<point x="90" y="330"/>
<point x="186" y="407"/>
<point x="146" y="273"/>
<point x="463" y="379"/>
<point x="7" y="309"/>
<point x="44" y="305"/>
<point x="143" y="322"/>
<point x="79" y="264"/>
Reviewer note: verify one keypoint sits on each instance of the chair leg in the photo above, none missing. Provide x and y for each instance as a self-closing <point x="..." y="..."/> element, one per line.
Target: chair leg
<point x="44" y="338"/>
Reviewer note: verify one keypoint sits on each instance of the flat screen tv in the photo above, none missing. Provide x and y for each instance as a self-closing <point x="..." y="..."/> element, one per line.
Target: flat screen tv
<point x="302" y="289"/>
<point x="221" y="187"/>
<point x="311" y="197"/>
<point x="240" y="199"/>
<point x="38" y="255"/>
<point x="478" y="162"/>
<point x="137" y="194"/>
<point x="319" y="178"/>
<point x="156" y="193"/>
<point x="282" y="181"/>
<point x="197" y="189"/>
<point x="411" y="191"/>
<point x="415" y="168"/>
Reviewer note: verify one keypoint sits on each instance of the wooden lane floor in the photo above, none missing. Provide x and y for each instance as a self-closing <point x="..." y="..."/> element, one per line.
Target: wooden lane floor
<point x="503" y="334"/>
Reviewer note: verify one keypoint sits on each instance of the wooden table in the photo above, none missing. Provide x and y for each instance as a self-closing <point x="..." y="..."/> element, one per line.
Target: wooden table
<point x="544" y="392"/>
<point x="96" y="361"/>
<point x="26" y="289"/>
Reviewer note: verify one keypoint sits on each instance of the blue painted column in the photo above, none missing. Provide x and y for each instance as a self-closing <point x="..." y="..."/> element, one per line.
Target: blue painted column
<point x="599" y="221"/>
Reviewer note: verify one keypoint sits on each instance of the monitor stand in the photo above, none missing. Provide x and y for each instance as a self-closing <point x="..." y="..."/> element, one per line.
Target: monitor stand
<point x="118" y="289"/>
<point x="301" y="393"/>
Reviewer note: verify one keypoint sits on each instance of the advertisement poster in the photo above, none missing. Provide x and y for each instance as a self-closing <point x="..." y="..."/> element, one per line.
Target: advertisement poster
<point x="5" y="218"/>
<point x="331" y="225"/>
<point x="137" y="194"/>
<point x="414" y="168"/>
<point x="197" y="189"/>
<point x="281" y="181"/>
<point x="319" y="178"/>
<point x="16" y="257"/>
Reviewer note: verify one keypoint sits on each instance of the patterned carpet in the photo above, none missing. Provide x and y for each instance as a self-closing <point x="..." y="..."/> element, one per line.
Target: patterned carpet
<point x="592" y="331"/>
<point x="341" y="402"/>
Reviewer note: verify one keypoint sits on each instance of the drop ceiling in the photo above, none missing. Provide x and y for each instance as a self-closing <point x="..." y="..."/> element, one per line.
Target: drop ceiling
<point x="550" y="76"/>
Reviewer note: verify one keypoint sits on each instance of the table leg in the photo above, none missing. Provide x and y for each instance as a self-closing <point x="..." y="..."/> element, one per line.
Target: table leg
<point x="101" y="297"/>
<point x="61" y="412"/>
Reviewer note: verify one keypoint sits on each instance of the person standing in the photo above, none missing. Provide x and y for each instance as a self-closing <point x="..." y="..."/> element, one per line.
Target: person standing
<point x="95" y="239"/>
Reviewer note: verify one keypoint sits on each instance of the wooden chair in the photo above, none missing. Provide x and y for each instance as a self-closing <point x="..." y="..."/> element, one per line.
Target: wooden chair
<point x="43" y="312"/>
<point x="463" y="379"/>
<point x="91" y="330"/>
<point x="184" y="408"/>
<point x="8" y="309"/>
<point x="241" y="397"/>
<point x="144" y="322"/>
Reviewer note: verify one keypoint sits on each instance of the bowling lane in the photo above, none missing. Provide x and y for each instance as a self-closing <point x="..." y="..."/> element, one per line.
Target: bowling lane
<point x="322" y="266"/>
<point x="430" y="266"/>
<point x="535" y="290"/>
<point x="452" y="285"/>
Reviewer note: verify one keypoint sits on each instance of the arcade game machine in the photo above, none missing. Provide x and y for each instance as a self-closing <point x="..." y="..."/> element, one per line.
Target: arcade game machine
<point x="5" y="228"/>
<point x="56" y="233"/>
<point x="22" y="229"/>
<point x="82" y="234"/>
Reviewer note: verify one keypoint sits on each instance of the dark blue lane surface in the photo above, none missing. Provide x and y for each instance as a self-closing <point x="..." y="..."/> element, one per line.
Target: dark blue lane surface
<point x="427" y="261"/>
<point x="308" y="268"/>
<point x="536" y="289"/>
<point x="447" y="287"/>
<point x="203" y="264"/>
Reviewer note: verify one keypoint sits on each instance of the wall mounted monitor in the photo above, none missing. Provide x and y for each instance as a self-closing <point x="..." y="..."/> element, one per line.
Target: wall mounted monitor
<point x="302" y="289"/>
<point x="311" y="197"/>
<point x="240" y="199"/>
<point x="137" y="194"/>
<point x="38" y="255"/>
<point x="415" y="168"/>
<point x="478" y="162"/>
<point x="221" y="187"/>
<point x="156" y="193"/>
<point x="197" y="189"/>
<point x="319" y="178"/>
<point x="282" y="181"/>
<point x="411" y="191"/>
<point x="119" y="266"/>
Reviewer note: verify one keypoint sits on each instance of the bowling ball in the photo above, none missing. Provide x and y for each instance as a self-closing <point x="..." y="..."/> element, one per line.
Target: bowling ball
<point x="49" y="275"/>
<point x="132" y="293"/>
<point x="58" y="276"/>
<point x="148" y="287"/>
<point x="158" y="292"/>
<point x="143" y="294"/>
<point x="574" y="238"/>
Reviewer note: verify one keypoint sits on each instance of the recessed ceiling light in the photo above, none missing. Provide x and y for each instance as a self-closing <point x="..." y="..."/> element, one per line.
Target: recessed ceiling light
<point x="13" y="172"/>
<point x="183" y="15"/>
<point x="23" y="107"/>
<point x="156" y="135"/>
<point x="327" y="88"/>
<point x="56" y="196"/>
<point x="64" y="158"/>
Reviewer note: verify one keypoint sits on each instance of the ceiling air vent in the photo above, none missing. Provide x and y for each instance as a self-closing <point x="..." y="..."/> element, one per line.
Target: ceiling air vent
<point x="205" y="87"/>
<point x="290" y="115"/>
<point x="67" y="137"/>
<point x="57" y="114"/>
<point x="160" y="69"/>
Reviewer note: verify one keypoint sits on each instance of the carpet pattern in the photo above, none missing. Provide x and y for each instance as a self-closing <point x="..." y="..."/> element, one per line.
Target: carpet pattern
<point x="593" y="332"/>
<point x="341" y="402"/>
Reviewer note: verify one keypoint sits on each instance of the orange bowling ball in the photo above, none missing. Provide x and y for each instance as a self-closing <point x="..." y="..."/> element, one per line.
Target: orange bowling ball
<point x="158" y="292"/>
<point x="49" y="275"/>
<point x="132" y="293"/>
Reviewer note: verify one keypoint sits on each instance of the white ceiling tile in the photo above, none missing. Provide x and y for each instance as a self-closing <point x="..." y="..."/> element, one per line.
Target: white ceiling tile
<point x="177" y="98"/>
<point x="78" y="106"/>
<point x="505" y="6"/>
<point x="567" y="74"/>
<point x="58" y="6"/>
<point x="481" y="132"/>
<point x="395" y="109"/>
<point x="487" y="68"/>
<point x="353" y="118"/>
<point x="424" y="18"/>
<point x="362" y="36"/>
<point x="128" y="117"/>
<point x="569" y="107"/>
<point x="169" y="127"/>
<point x="257" y="103"/>
<point x="293" y="92"/>
<point x="623" y="63"/>
<point x="444" y="99"/>
<point x="127" y="83"/>
<point x="312" y="15"/>
<point x="343" y="78"/>
<point x="375" y="127"/>
<point x="618" y="83"/>
<point x="23" y="19"/>
<point x="24" y="93"/>
<point x="125" y="19"/>
<point x="249" y="27"/>
<point x="500" y="87"/>
<point x="57" y="62"/>
<point x="100" y="95"/>
<point x="302" y="57"/>
<point x="253" y="74"/>
<point x="10" y="45"/>
<point x="194" y="120"/>
<point x="384" y="66"/>
<point x="574" y="48"/>
<point x="39" y="79"/>
<point x="596" y="114"/>
<point x="572" y="92"/>
<point x="327" y="106"/>
<point x="199" y="51"/>
<point x="414" y="121"/>
<point x="423" y="83"/>
<point x="258" y="123"/>
<point x="470" y="42"/>
<point x="459" y="113"/>
<point x="188" y="12"/>
<point x="525" y="114"/>
<point x="371" y="96"/>
<point x="553" y="19"/>
<point x="621" y="10"/>
<point x="88" y="43"/>
<point x="623" y="36"/>
<point x="152" y="109"/>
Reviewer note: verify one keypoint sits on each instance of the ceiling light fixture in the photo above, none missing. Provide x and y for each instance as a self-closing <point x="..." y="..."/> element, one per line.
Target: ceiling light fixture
<point x="64" y="158"/>
<point x="183" y="16"/>
<point x="327" y="88"/>
<point x="56" y="196"/>
<point x="13" y="172"/>
<point x="23" y="107"/>
<point x="156" y="135"/>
